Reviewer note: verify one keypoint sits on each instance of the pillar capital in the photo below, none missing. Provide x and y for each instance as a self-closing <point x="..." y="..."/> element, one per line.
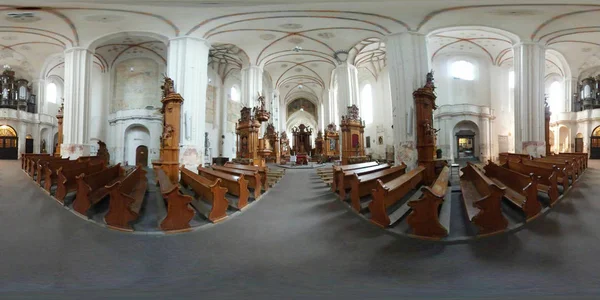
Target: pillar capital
<point x="187" y="38"/>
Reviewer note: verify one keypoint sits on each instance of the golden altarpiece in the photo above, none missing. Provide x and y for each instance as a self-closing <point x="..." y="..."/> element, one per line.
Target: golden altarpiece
<point x="331" y="147"/>
<point x="353" y="129"/>
<point x="252" y="150"/>
<point x="169" y="140"/>
<point x="302" y="143"/>
<point x="273" y="137"/>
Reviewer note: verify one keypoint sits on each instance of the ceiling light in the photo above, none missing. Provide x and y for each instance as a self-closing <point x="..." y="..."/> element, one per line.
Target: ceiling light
<point x="297" y="49"/>
<point x="300" y="86"/>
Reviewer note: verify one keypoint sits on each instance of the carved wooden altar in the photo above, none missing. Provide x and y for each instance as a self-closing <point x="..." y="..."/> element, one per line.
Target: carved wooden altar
<point x="547" y="127"/>
<point x="284" y="145"/>
<point x="247" y="130"/>
<point x="273" y="137"/>
<point x="424" y="106"/>
<point x="169" y="141"/>
<point x="59" y="117"/>
<point x="302" y="143"/>
<point x="331" y="149"/>
<point x="353" y="128"/>
<point x="319" y="143"/>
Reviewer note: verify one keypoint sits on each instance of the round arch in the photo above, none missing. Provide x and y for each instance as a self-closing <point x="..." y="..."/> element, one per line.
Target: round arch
<point x="9" y="142"/>
<point x="466" y="140"/>
<point x="107" y="37"/>
<point x="136" y="136"/>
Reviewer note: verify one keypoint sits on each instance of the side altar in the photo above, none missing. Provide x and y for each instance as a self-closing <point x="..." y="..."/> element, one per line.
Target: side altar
<point x="169" y="140"/>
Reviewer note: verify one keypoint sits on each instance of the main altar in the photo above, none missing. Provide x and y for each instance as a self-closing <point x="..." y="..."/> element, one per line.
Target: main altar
<point x="302" y="143"/>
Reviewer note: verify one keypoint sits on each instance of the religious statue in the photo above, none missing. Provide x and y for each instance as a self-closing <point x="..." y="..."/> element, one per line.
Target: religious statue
<point x="168" y="86"/>
<point x="103" y="151"/>
<point x="430" y="81"/>
<point x="43" y="147"/>
<point x="167" y="135"/>
<point x="261" y="102"/>
<point x="429" y="130"/>
<point x="62" y="107"/>
<point x="206" y="143"/>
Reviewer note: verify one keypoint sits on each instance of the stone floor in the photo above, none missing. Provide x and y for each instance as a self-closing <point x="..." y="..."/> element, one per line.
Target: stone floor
<point x="297" y="242"/>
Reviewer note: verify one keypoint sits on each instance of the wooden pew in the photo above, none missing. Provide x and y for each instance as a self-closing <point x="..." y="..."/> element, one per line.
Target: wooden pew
<point x="481" y="198"/>
<point x="389" y="193"/>
<point x="521" y="189"/>
<point x="34" y="166"/>
<point x="339" y="169"/>
<point x="66" y="179"/>
<point x="235" y="185"/>
<point x="346" y="176"/>
<point x="562" y="177"/>
<point x="583" y="155"/>
<point x="505" y="156"/>
<point x="574" y="161"/>
<point x="253" y="177"/>
<point x="91" y="188"/>
<point x="29" y="159"/>
<point x="179" y="212"/>
<point x="207" y="190"/>
<point x="26" y="156"/>
<point x="126" y="198"/>
<point x="361" y="186"/>
<point x="93" y="159"/>
<point x="561" y="163"/>
<point x="424" y="218"/>
<point x="48" y="171"/>
<point x="547" y="178"/>
<point x="262" y="171"/>
<point x="578" y="160"/>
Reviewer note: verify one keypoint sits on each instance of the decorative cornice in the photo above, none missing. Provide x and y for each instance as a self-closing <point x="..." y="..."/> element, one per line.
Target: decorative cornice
<point x="135" y="118"/>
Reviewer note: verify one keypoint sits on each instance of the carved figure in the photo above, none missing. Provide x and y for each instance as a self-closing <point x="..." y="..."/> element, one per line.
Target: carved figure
<point x="167" y="135"/>
<point x="430" y="80"/>
<point x="168" y="86"/>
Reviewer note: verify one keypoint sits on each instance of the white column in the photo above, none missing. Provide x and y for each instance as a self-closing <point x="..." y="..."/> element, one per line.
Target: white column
<point x="347" y="87"/>
<point x="529" y="66"/>
<point x="78" y="64"/>
<point x="187" y="65"/>
<point x="223" y="112"/>
<point x="571" y="84"/>
<point x="327" y="119"/>
<point x="39" y="89"/>
<point x="408" y="66"/>
<point x="251" y="85"/>
<point x="276" y="110"/>
<point x="485" y="144"/>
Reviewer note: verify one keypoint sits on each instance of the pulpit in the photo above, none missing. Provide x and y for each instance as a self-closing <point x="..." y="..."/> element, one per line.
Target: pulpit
<point x="425" y="104"/>
<point x="353" y="129"/>
<point x="247" y="130"/>
<point x="273" y="137"/>
<point x="169" y="140"/>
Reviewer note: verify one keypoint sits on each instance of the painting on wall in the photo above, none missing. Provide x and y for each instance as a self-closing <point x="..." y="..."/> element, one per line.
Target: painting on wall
<point x="355" y="141"/>
<point x="380" y="140"/>
<point x="136" y="85"/>
<point x="332" y="144"/>
<point x="302" y="104"/>
<point x="211" y="93"/>
<point x="368" y="142"/>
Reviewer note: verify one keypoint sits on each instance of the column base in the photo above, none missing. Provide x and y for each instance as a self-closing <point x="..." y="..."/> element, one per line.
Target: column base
<point x="534" y="148"/>
<point x="406" y="152"/>
<point x="190" y="156"/>
<point x="74" y="151"/>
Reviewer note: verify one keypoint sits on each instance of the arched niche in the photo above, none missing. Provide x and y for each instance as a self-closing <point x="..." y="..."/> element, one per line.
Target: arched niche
<point x="135" y="136"/>
<point x="9" y="142"/>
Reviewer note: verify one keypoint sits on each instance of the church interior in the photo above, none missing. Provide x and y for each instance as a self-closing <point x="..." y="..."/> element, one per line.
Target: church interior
<point x="325" y="149"/>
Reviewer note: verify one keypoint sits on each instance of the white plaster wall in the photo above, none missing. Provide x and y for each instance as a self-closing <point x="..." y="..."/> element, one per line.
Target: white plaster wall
<point x="457" y="91"/>
<point x="233" y="114"/>
<point x="121" y="121"/>
<point x="136" y="84"/>
<point x="98" y="105"/>
<point x="382" y="113"/>
<point x="502" y="103"/>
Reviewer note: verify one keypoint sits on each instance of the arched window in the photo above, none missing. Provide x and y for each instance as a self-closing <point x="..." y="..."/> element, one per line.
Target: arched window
<point x="51" y="92"/>
<point x="555" y="95"/>
<point x="235" y="95"/>
<point x="366" y="98"/>
<point x="462" y="70"/>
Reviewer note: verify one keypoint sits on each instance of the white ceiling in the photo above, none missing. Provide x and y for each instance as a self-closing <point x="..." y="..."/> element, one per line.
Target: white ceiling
<point x="266" y="31"/>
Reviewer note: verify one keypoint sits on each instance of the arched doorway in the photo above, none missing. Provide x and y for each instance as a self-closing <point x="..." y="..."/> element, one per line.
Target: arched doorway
<point x="466" y="140"/>
<point x="579" y="143"/>
<point x="136" y="136"/>
<point x="9" y="142"/>
<point x="141" y="155"/>
<point x="564" y="142"/>
<point x="29" y="144"/>
<point x="551" y="139"/>
<point x="595" y="144"/>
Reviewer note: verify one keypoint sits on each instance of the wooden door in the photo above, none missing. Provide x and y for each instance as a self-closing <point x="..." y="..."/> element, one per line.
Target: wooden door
<point x="28" y="145"/>
<point x="579" y="145"/>
<point x="595" y="147"/>
<point x="141" y="156"/>
<point x="8" y="147"/>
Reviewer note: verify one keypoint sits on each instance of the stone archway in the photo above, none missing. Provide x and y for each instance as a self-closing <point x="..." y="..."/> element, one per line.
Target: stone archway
<point x="9" y="142"/>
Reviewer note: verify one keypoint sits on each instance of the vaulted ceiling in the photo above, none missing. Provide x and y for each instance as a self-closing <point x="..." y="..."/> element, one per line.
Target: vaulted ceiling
<point x="295" y="42"/>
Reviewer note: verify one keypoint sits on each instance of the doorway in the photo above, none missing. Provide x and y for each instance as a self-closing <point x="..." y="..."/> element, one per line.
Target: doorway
<point x="465" y="144"/>
<point x="595" y="144"/>
<point x="29" y="144"/>
<point x="141" y="155"/>
<point x="8" y="143"/>
<point x="579" y="143"/>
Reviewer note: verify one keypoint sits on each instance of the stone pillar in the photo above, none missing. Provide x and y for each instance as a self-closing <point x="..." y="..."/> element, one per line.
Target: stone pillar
<point x="408" y="66"/>
<point x="485" y="144"/>
<point x="347" y="87"/>
<point x="187" y="65"/>
<point x="39" y="89"/>
<point x="78" y="64"/>
<point x="251" y="85"/>
<point x="529" y="66"/>
<point x="326" y="108"/>
<point x="223" y="112"/>
<point x="275" y="110"/>
<point x="571" y="88"/>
